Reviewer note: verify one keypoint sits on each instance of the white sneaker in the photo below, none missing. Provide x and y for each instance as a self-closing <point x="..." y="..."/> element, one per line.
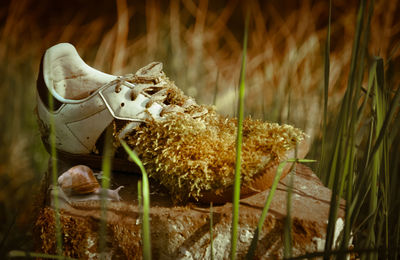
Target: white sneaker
<point x="160" y="123"/>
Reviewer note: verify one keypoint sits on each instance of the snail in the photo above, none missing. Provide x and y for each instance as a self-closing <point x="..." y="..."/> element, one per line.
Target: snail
<point x="80" y="184"/>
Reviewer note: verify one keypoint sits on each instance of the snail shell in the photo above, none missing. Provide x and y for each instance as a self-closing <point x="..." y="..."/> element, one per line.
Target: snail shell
<point x="78" y="180"/>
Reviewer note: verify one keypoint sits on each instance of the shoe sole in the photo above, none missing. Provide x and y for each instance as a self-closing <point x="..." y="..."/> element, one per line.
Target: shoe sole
<point x="261" y="181"/>
<point x="94" y="161"/>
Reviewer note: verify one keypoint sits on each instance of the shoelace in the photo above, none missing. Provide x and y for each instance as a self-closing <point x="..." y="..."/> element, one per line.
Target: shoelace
<point x="156" y="94"/>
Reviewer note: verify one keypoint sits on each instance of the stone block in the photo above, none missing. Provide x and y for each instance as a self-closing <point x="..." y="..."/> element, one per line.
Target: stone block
<point x="183" y="231"/>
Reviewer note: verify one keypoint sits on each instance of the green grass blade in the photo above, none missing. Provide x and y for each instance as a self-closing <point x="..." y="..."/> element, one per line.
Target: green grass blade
<point x="335" y="200"/>
<point x="356" y="48"/>
<point x="385" y="186"/>
<point x="334" y="162"/>
<point x="326" y="79"/>
<point x="236" y="189"/>
<point x="216" y="90"/>
<point x="341" y="166"/>
<point x="349" y="196"/>
<point x="54" y="173"/>
<point x="24" y="254"/>
<point x="289" y="106"/>
<point x="395" y="129"/>
<point x="397" y="239"/>
<point x="357" y="251"/>
<point x="288" y="238"/>
<point x="388" y="118"/>
<point x="254" y="241"/>
<point x="371" y="77"/>
<point x="105" y="184"/>
<point x="146" y="202"/>
<point x="361" y="58"/>
<point x="379" y="164"/>
<point x="211" y="233"/>
<point x="287" y="234"/>
<point x="140" y="192"/>
<point x="360" y="195"/>
<point x="253" y="246"/>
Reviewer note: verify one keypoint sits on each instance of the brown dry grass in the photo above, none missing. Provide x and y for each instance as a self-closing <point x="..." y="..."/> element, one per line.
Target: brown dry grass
<point x="196" y="40"/>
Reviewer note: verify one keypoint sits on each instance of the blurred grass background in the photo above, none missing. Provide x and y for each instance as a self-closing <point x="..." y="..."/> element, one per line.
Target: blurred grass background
<point x="199" y="43"/>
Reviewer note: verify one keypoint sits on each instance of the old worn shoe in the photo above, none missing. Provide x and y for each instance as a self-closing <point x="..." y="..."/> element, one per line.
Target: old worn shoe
<point x="186" y="147"/>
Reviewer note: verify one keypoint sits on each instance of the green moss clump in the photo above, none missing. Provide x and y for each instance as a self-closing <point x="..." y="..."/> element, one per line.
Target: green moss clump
<point x="193" y="149"/>
<point x="190" y="155"/>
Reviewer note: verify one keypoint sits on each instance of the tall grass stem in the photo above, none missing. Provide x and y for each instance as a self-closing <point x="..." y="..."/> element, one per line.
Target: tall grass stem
<point x="211" y="232"/>
<point x="279" y="171"/>
<point x="105" y="184"/>
<point x="54" y="174"/>
<point x="24" y="254"/>
<point x="236" y="189"/>
<point x="146" y="202"/>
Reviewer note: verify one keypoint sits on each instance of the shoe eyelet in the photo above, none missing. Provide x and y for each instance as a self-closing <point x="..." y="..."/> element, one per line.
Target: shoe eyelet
<point x="122" y="104"/>
<point x="118" y="88"/>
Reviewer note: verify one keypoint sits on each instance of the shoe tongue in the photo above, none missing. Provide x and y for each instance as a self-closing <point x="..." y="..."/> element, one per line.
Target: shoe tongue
<point x="151" y="71"/>
<point x="152" y="74"/>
